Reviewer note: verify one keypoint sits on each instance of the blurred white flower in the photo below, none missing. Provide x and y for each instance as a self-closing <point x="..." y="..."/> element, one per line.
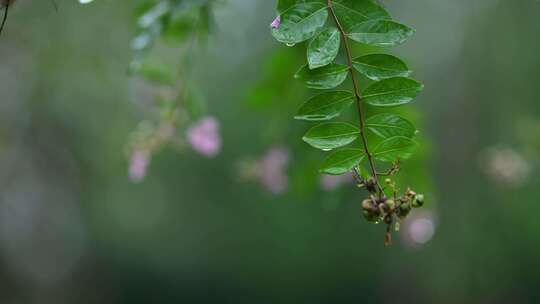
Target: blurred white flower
<point x="418" y="229"/>
<point x="505" y="166"/>
<point x="270" y="170"/>
<point x="138" y="165"/>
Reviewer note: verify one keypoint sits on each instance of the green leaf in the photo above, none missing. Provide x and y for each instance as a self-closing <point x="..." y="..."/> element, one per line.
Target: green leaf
<point x="300" y="22"/>
<point x="380" y="32"/>
<point x="394" y="148"/>
<point x="327" y="77"/>
<point x="157" y="73"/>
<point x="392" y="92"/>
<point x="352" y="12"/>
<point x="284" y="5"/>
<point x="343" y="161"/>
<point x="381" y="66"/>
<point x="388" y="125"/>
<point x="325" y="106"/>
<point x="331" y="135"/>
<point x="364" y="173"/>
<point x="323" y="49"/>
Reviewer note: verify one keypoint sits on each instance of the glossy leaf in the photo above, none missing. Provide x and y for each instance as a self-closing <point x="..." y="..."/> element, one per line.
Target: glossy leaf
<point x="394" y="148"/>
<point x="284" y="5"/>
<point x="353" y="12"/>
<point x="392" y="92"/>
<point x="325" y="106"/>
<point x="327" y="77"/>
<point x="300" y="22"/>
<point x="381" y="66"/>
<point x="389" y="125"/>
<point x="380" y="32"/>
<point x="331" y="135"/>
<point x="324" y="47"/>
<point x="343" y="161"/>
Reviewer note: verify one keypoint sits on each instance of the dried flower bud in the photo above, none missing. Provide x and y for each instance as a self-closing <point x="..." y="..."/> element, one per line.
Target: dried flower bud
<point x="371" y="185"/>
<point x="367" y="204"/>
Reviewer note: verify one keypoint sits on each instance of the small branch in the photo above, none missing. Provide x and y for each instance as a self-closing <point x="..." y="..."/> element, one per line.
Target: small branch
<point x="357" y="95"/>
<point x="358" y="177"/>
<point x="391" y="171"/>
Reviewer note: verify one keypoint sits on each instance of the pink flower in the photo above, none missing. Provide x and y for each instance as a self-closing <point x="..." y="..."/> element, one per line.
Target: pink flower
<point x="138" y="165"/>
<point x="332" y="182"/>
<point x="276" y="23"/>
<point x="272" y="170"/>
<point x="204" y="136"/>
<point x="419" y="228"/>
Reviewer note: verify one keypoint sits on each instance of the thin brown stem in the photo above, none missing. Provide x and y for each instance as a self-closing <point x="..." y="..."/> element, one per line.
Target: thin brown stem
<point x="391" y="171"/>
<point x="357" y="94"/>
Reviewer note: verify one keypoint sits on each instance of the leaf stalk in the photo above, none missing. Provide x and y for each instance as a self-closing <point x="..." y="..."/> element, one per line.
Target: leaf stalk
<point x="358" y="96"/>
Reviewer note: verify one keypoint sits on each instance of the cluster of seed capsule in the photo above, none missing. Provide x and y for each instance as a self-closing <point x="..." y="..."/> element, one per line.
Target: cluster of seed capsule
<point x="379" y="208"/>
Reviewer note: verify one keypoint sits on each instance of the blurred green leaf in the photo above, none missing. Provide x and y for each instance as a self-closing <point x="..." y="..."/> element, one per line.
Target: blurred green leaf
<point x="342" y="161"/>
<point x="392" y="92"/>
<point x="331" y="135"/>
<point x="381" y="66"/>
<point x="327" y="77"/>
<point x="157" y="73"/>
<point x="154" y="14"/>
<point x="324" y="47"/>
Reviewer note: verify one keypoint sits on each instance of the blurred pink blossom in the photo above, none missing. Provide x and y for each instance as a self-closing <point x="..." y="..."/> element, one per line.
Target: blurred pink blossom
<point x="332" y="182"/>
<point x="204" y="136"/>
<point x="138" y="165"/>
<point x="419" y="228"/>
<point x="505" y="166"/>
<point x="276" y="23"/>
<point x="272" y="170"/>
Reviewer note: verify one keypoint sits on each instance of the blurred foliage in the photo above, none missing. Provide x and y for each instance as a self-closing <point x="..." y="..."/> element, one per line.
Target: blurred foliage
<point x="74" y="229"/>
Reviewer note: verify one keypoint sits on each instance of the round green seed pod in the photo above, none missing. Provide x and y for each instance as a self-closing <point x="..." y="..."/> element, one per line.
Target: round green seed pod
<point x="390" y="204"/>
<point x="418" y="201"/>
<point x="404" y="210"/>
<point x="370" y="216"/>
